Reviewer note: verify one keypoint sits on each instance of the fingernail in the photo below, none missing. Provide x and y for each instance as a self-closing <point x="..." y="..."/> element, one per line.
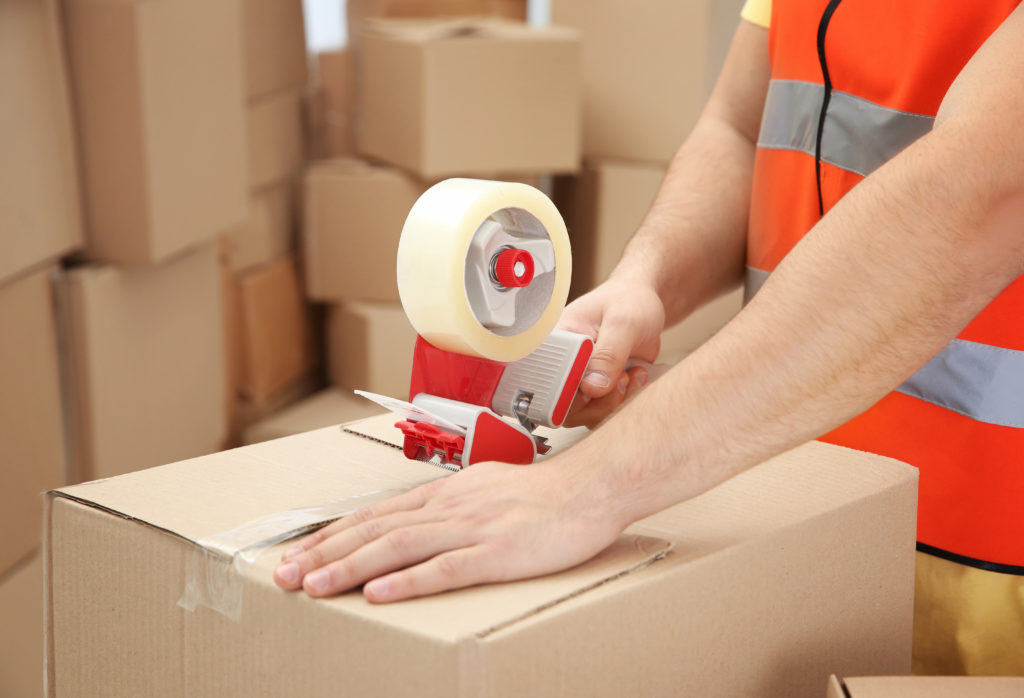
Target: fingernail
<point x="292" y="552"/>
<point x="597" y="379"/>
<point x="378" y="588"/>
<point x="288" y="573"/>
<point x="316" y="581"/>
<point x="640" y="378"/>
<point x="622" y="384"/>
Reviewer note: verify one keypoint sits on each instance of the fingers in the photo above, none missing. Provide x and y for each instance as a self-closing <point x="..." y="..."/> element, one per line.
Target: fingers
<point x="611" y="352"/>
<point x="590" y="413"/>
<point x="450" y="570"/>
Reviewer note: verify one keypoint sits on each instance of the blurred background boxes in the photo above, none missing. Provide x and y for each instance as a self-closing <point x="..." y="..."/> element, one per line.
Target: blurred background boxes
<point x="159" y="92"/>
<point x="326" y="408"/>
<point x="331" y="106"/>
<point x="369" y="346"/>
<point x="275" y="46"/>
<point x="40" y="214"/>
<point x="269" y="231"/>
<point x="145" y="363"/>
<point x="276" y="138"/>
<point x="452" y="97"/>
<point x="32" y="458"/>
<point x="21" y="642"/>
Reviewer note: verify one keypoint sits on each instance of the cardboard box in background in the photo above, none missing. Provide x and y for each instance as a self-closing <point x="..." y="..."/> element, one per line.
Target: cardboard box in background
<point x="269" y="231"/>
<point x="277" y="339"/>
<point x="926" y="687"/>
<point x="358" y="11"/>
<point x="646" y="75"/>
<point x="764" y="570"/>
<point x="275" y="46"/>
<point x="159" y="93"/>
<point x="326" y="408"/>
<point x="32" y="458"/>
<point x="21" y="642"/>
<point x="369" y="347"/>
<point x="276" y="138"/>
<point x="603" y="207"/>
<point x="331" y="106"/>
<point x="452" y="97"/>
<point x="144" y="358"/>
<point x="40" y="213"/>
<point x="353" y="217"/>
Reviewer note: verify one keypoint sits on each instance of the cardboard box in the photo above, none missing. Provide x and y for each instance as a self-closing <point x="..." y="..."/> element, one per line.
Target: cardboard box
<point x="40" y="213"/>
<point x="369" y="347"/>
<point x="277" y="341"/>
<point x="159" y="92"/>
<point x="603" y="207"/>
<point x="144" y="357"/>
<point x="646" y="75"/>
<point x="926" y="687"/>
<point x="358" y="11"/>
<point x="353" y="217"/>
<point x="21" y="642"/>
<point x="763" y="571"/>
<point x="32" y="458"/>
<point x="275" y="46"/>
<point x="268" y="233"/>
<point x="481" y="97"/>
<point x="276" y="139"/>
<point x="326" y="408"/>
<point x="332" y="106"/>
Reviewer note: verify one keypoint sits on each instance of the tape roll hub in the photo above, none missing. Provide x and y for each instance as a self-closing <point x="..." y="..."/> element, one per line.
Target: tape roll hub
<point x="484" y="267"/>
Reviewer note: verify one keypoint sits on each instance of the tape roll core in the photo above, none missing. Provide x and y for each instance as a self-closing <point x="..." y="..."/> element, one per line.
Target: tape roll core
<point x="444" y="254"/>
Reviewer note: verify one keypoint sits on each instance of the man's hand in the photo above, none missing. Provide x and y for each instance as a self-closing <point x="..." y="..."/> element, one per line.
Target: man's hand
<point x="625" y="320"/>
<point x="492" y="522"/>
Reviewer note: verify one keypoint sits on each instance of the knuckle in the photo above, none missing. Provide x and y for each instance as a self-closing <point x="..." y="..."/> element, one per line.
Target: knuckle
<point x="449" y="566"/>
<point x="401" y="540"/>
<point x="315" y="556"/>
<point x="363" y="515"/>
<point x="369" y="531"/>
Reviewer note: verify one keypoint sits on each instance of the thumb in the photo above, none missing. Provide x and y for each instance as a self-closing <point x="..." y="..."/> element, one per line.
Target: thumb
<point x="611" y="352"/>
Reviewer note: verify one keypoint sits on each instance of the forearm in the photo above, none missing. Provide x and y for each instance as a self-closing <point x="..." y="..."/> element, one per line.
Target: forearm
<point x="885" y="280"/>
<point x="690" y="246"/>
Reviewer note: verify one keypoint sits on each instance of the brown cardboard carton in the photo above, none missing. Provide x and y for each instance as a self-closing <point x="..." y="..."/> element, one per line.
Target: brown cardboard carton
<point x="603" y="206"/>
<point x="159" y="92"/>
<point x="21" y="642"/>
<point x="358" y="11"/>
<point x="326" y="408"/>
<point x="926" y="687"/>
<point x="646" y="75"/>
<point x="446" y="97"/>
<point x="32" y="458"/>
<point x="277" y="344"/>
<point x="144" y="355"/>
<point x="353" y="217"/>
<point x="747" y="602"/>
<point x="269" y="231"/>
<point x="332" y="106"/>
<point x="276" y="139"/>
<point x="275" y="46"/>
<point x="40" y="214"/>
<point x="369" y="347"/>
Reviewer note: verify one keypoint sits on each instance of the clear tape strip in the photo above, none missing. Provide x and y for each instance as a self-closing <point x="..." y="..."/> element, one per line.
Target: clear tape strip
<point x="213" y="578"/>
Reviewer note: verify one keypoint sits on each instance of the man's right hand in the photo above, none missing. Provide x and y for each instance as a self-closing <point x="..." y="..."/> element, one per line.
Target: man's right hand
<point x="625" y="320"/>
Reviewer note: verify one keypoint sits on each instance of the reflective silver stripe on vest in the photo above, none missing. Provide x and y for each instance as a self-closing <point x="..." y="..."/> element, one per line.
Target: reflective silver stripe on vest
<point x="859" y="136"/>
<point x="976" y="380"/>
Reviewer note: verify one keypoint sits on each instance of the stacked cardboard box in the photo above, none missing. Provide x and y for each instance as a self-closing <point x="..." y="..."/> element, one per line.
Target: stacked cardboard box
<point x="646" y="77"/>
<point x="926" y="687"/>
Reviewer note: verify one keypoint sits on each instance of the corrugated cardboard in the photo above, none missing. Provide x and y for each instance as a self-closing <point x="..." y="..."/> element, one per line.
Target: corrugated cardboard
<point x="358" y="11"/>
<point x="603" y="207"/>
<point x="332" y="106"/>
<point x="32" y="458"/>
<point x="269" y="231"/>
<point x="159" y="92"/>
<point x="447" y="97"/>
<point x="40" y="214"/>
<point x="21" y="641"/>
<point x="144" y="355"/>
<point x="763" y="571"/>
<point x="326" y="408"/>
<point x="353" y="217"/>
<point x="646" y="75"/>
<point x="277" y="343"/>
<point x="369" y="346"/>
<point x="275" y="46"/>
<point x="926" y="687"/>
<point x="276" y="139"/>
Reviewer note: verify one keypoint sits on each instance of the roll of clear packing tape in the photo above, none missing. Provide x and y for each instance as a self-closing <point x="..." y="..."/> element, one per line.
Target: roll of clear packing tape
<point x="452" y="240"/>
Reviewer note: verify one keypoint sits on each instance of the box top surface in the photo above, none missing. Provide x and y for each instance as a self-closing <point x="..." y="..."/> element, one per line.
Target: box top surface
<point x="928" y="687"/>
<point x="427" y="31"/>
<point x="202" y="498"/>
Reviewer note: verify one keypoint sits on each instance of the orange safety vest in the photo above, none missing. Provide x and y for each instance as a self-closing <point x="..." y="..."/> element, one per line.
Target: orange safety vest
<point x="852" y="84"/>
